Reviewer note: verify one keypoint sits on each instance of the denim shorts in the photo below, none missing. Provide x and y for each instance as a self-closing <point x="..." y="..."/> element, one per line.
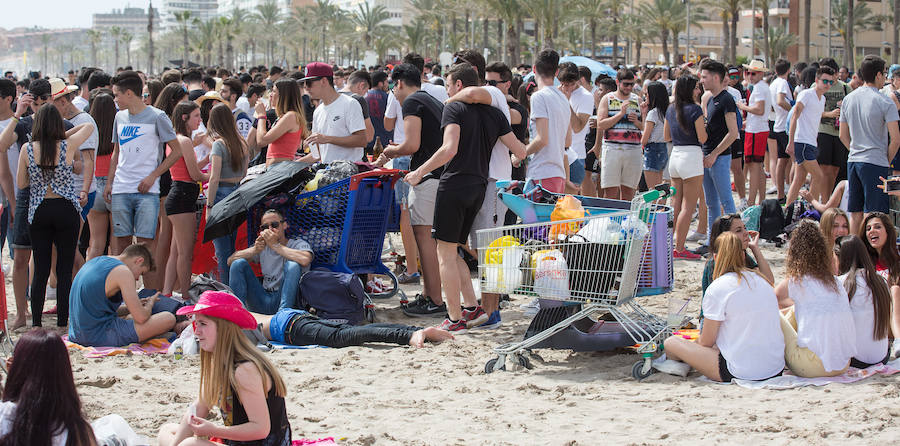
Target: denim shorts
<point x="805" y="152"/>
<point x="656" y="156"/>
<point x="135" y="214"/>
<point x="119" y="333"/>
<point x="278" y="325"/>
<point x="401" y="188"/>
<point x="576" y="171"/>
<point x="100" y="204"/>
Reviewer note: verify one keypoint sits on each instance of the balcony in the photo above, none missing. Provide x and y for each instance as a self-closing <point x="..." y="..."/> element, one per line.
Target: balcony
<point x="777" y="8"/>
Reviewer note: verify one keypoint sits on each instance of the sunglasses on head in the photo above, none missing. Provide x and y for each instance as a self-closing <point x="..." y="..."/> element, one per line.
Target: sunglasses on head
<point x="273" y="225"/>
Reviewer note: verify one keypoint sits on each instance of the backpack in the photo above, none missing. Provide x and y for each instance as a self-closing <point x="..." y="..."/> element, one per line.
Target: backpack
<point x="751" y="217"/>
<point x="335" y="296"/>
<point x="796" y="211"/>
<point x="771" y="219"/>
<point x="203" y="283"/>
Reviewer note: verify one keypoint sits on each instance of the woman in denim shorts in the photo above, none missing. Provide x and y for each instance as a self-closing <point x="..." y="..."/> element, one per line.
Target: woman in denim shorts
<point x="103" y="110"/>
<point x="656" y="152"/>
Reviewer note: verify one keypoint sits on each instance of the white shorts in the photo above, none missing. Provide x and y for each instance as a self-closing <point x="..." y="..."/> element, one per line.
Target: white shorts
<point x="492" y="213"/>
<point x="621" y="167"/>
<point x="421" y="202"/>
<point x="686" y="162"/>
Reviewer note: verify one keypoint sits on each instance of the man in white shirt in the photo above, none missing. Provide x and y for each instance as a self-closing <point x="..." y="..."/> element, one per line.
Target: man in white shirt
<point x="756" y="131"/>
<point x="551" y="114"/>
<point x="230" y="92"/>
<point x="782" y="100"/>
<point x="804" y="128"/>
<point x="338" y="129"/>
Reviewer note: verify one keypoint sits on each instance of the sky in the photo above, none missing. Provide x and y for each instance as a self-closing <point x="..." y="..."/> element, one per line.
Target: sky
<point x="60" y="13"/>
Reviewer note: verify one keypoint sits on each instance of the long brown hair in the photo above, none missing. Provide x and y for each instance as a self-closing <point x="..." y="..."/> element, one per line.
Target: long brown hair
<point x="48" y="130"/>
<point x="103" y="110"/>
<point x="179" y="122"/>
<point x="154" y="88"/>
<point x="40" y="382"/>
<point x="826" y="224"/>
<point x="221" y="122"/>
<point x="853" y="256"/>
<point x="168" y="97"/>
<point x="290" y="100"/>
<point x="807" y="255"/>
<point x="217" y="367"/>
<point x="888" y="256"/>
<point x="730" y="256"/>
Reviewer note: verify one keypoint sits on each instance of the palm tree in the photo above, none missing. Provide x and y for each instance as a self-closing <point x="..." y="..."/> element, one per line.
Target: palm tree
<point x="369" y="20"/>
<point x="635" y="28"/>
<point x="615" y="10"/>
<point x="116" y="33"/>
<point x="324" y="14"/>
<point x="778" y="42"/>
<point x="127" y="37"/>
<point x="94" y="37"/>
<point x="660" y="19"/>
<point x="268" y="15"/>
<point x="239" y="22"/>
<point x="415" y="35"/>
<point x="46" y="38"/>
<point x="432" y="14"/>
<point x="385" y="41"/>
<point x="226" y="32"/>
<point x="730" y="11"/>
<point x="861" y="18"/>
<point x="508" y="12"/>
<point x="184" y="19"/>
<point x="205" y="37"/>
<point x="807" y="19"/>
<point x="150" y="37"/>
<point x="895" y="45"/>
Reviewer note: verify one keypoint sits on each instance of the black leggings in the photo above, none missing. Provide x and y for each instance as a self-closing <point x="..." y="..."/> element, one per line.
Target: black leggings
<point x="55" y="222"/>
<point x="310" y="330"/>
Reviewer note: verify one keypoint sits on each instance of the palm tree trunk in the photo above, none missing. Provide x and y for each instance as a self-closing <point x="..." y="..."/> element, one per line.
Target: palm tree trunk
<point x="501" y="40"/>
<point x="184" y="64"/>
<point x="520" y="30"/>
<point x="615" y="38"/>
<point x="734" y="38"/>
<point x="538" y="38"/>
<point x="676" y="60"/>
<point x="229" y="54"/>
<point x="637" y="51"/>
<point x="94" y="52"/>
<point x="807" y="19"/>
<point x="468" y="35"/>
<point x="664" y="38"/>
<point x="895" y="46"/>
<point x="485" y="23"/>
<point x="221" y="53"/>
<point x="766" y="47"/>
<point x="726" y="37"/>
<point x="849" y="47"/>
<point x="593" y="26"/>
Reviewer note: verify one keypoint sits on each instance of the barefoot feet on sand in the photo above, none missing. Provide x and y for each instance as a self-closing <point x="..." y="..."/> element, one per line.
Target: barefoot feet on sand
<point x="431" y="334"/>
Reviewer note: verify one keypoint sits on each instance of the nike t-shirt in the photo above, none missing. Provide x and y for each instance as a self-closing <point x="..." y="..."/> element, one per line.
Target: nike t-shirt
<point x="141" y="139"/>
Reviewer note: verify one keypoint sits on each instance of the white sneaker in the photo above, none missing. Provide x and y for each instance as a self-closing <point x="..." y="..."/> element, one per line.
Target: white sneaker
<point x="695" y="236"/>
<point x="532" y="307"/>
<point x="743" y="204"/>
<point x="771" y="190"/>
<point x="704" y="242"/>
<point x="51" y="292"/>
<point x="895" y="348"/>
<point x="672" y="367"/>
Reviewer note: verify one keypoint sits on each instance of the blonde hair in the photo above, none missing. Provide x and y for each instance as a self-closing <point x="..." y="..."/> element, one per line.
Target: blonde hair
<point x="217" y="367"/>
<point x="730" y="255"/>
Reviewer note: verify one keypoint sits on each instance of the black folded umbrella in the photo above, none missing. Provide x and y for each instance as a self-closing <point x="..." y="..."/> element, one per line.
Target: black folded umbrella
<point x="227" y="215"/>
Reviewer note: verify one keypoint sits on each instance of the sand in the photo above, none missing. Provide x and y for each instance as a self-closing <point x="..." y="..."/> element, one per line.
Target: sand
<point x="439" y="395"/>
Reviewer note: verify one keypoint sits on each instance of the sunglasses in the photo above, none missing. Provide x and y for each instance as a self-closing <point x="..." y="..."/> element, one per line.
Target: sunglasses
<point x="627" y="84"/>
<point x="273" y="225"/>
<point x="828" y="81"/>
<point x="42" y="97"/>
<point x="307" y="83"/>
<point x="145" y="95"/>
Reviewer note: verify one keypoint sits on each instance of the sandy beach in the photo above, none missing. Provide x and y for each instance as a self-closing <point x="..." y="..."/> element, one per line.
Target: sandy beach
<point x="439" y="395"/>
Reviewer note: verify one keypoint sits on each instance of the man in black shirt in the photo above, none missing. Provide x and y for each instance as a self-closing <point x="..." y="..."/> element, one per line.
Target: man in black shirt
<point x="470" y="131"/>
<point x="422" y="127"/>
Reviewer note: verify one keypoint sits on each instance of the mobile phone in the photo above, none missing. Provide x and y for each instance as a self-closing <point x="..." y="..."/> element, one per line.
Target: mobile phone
<point x="892" y="184"/>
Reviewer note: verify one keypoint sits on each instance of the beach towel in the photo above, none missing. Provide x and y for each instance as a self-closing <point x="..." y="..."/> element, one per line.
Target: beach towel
<point x="308" y="442"/>
<point x="151" y="347"/>
<point x="788" y="381"/>
<point x="283" y="346"/>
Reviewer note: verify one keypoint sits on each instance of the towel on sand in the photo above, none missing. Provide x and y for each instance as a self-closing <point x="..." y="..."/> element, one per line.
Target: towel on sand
<point x="151" y="347"/>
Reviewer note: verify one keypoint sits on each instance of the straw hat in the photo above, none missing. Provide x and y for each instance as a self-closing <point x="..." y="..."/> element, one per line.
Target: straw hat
<point x="756" y="65"/>
<point x="214" y="95"/>
<point x="58" y="88"/>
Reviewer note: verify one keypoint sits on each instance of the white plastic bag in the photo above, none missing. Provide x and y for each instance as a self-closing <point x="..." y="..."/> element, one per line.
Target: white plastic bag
<point x="602" y="230"/>
<point x="634" y="226"/>
<point x="507" y="276"/>
<point x="113" y="430"/>
<point x="551" y="276"/>
<point x="186" y="344"/>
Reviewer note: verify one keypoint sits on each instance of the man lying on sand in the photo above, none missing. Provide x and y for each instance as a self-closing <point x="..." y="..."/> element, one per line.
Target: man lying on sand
<point x="100" y="288"/>
<point x="298" y="327"/>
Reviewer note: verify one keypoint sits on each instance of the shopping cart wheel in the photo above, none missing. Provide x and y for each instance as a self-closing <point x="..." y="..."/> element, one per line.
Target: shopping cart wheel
<point x="491" y="365"/>
<point x="642" y="369"/>
<point x="523" y="361"/>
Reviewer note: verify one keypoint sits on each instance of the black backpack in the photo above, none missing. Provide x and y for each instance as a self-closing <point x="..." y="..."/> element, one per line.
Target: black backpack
<point x="335" y="296"/>
<point x="771" y="219"/>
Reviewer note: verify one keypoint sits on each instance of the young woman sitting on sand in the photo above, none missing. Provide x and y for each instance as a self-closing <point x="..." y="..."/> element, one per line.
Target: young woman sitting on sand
<point x="749" y="240"/>
<point x="740" y="336"/>
<point x="870" y="302"/>
<point x="235" y="377"/>
<point x="40" y="404"/>
<point x="834" y="223"/>
<point x="812" y="300"/>
<point x="878" y="233"/>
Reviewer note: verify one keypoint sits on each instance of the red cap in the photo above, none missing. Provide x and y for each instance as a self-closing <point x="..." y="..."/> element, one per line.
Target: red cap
<point x="318" y="70"/>
<point x="223" y="306"/>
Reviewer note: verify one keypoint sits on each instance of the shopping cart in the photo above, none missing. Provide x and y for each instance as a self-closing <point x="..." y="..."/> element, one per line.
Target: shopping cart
<point x="592" y="261"/>
<point x="344" y="224"/>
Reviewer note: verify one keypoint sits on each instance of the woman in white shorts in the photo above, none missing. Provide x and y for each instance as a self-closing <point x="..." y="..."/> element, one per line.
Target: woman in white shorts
<point x="686" y="128"/>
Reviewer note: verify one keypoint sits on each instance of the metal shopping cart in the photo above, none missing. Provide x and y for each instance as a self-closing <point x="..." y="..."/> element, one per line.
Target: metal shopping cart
<point x="592" y="261"/>
<point x="344" y="223"/>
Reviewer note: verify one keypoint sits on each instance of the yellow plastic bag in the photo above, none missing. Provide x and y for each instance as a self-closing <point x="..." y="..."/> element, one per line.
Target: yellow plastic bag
<point x="494" y="254"/>
<point x="567" y="208"/>
<point x="501" y="272"/>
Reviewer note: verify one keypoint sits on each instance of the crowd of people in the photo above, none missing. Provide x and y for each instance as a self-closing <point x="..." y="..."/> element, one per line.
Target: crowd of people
<point x="105" y="173"/>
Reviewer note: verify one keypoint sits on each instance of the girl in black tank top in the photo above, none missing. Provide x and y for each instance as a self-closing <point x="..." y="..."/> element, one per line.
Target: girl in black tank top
<point x="234" y="376"/>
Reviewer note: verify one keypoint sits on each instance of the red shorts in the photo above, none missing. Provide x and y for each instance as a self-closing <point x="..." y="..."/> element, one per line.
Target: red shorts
<point x="755" y="146"/>
<point x="555" y="184"/>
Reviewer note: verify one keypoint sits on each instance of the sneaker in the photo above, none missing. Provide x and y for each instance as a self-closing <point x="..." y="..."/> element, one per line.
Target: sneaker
<point x="703" y="242"/>
<point x="701" y="250"/>
<point x="492" y="322"/>
<point x="531" y="308"/>
<point x="406" y="278"/>
<point x="685" y="255"/>
<point x="671" y="366"/>
<point x="771" y="190"/>
<point x="474" y="318"/>
<point x="424" y="308"/>
<point x="744" y="204"/>
<point x="695" y="236"/>
<point x="458" y="327"/>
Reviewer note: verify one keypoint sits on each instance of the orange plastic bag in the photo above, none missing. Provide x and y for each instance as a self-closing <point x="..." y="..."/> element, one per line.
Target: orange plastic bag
<point x="567" y="208"/>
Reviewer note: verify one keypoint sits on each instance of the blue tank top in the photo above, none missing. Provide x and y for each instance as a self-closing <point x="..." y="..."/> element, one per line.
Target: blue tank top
<point x="91" y="313"/>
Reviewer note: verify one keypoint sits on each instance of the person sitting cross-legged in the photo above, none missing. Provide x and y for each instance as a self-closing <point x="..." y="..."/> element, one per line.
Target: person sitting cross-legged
<point x="283" y="261"/>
